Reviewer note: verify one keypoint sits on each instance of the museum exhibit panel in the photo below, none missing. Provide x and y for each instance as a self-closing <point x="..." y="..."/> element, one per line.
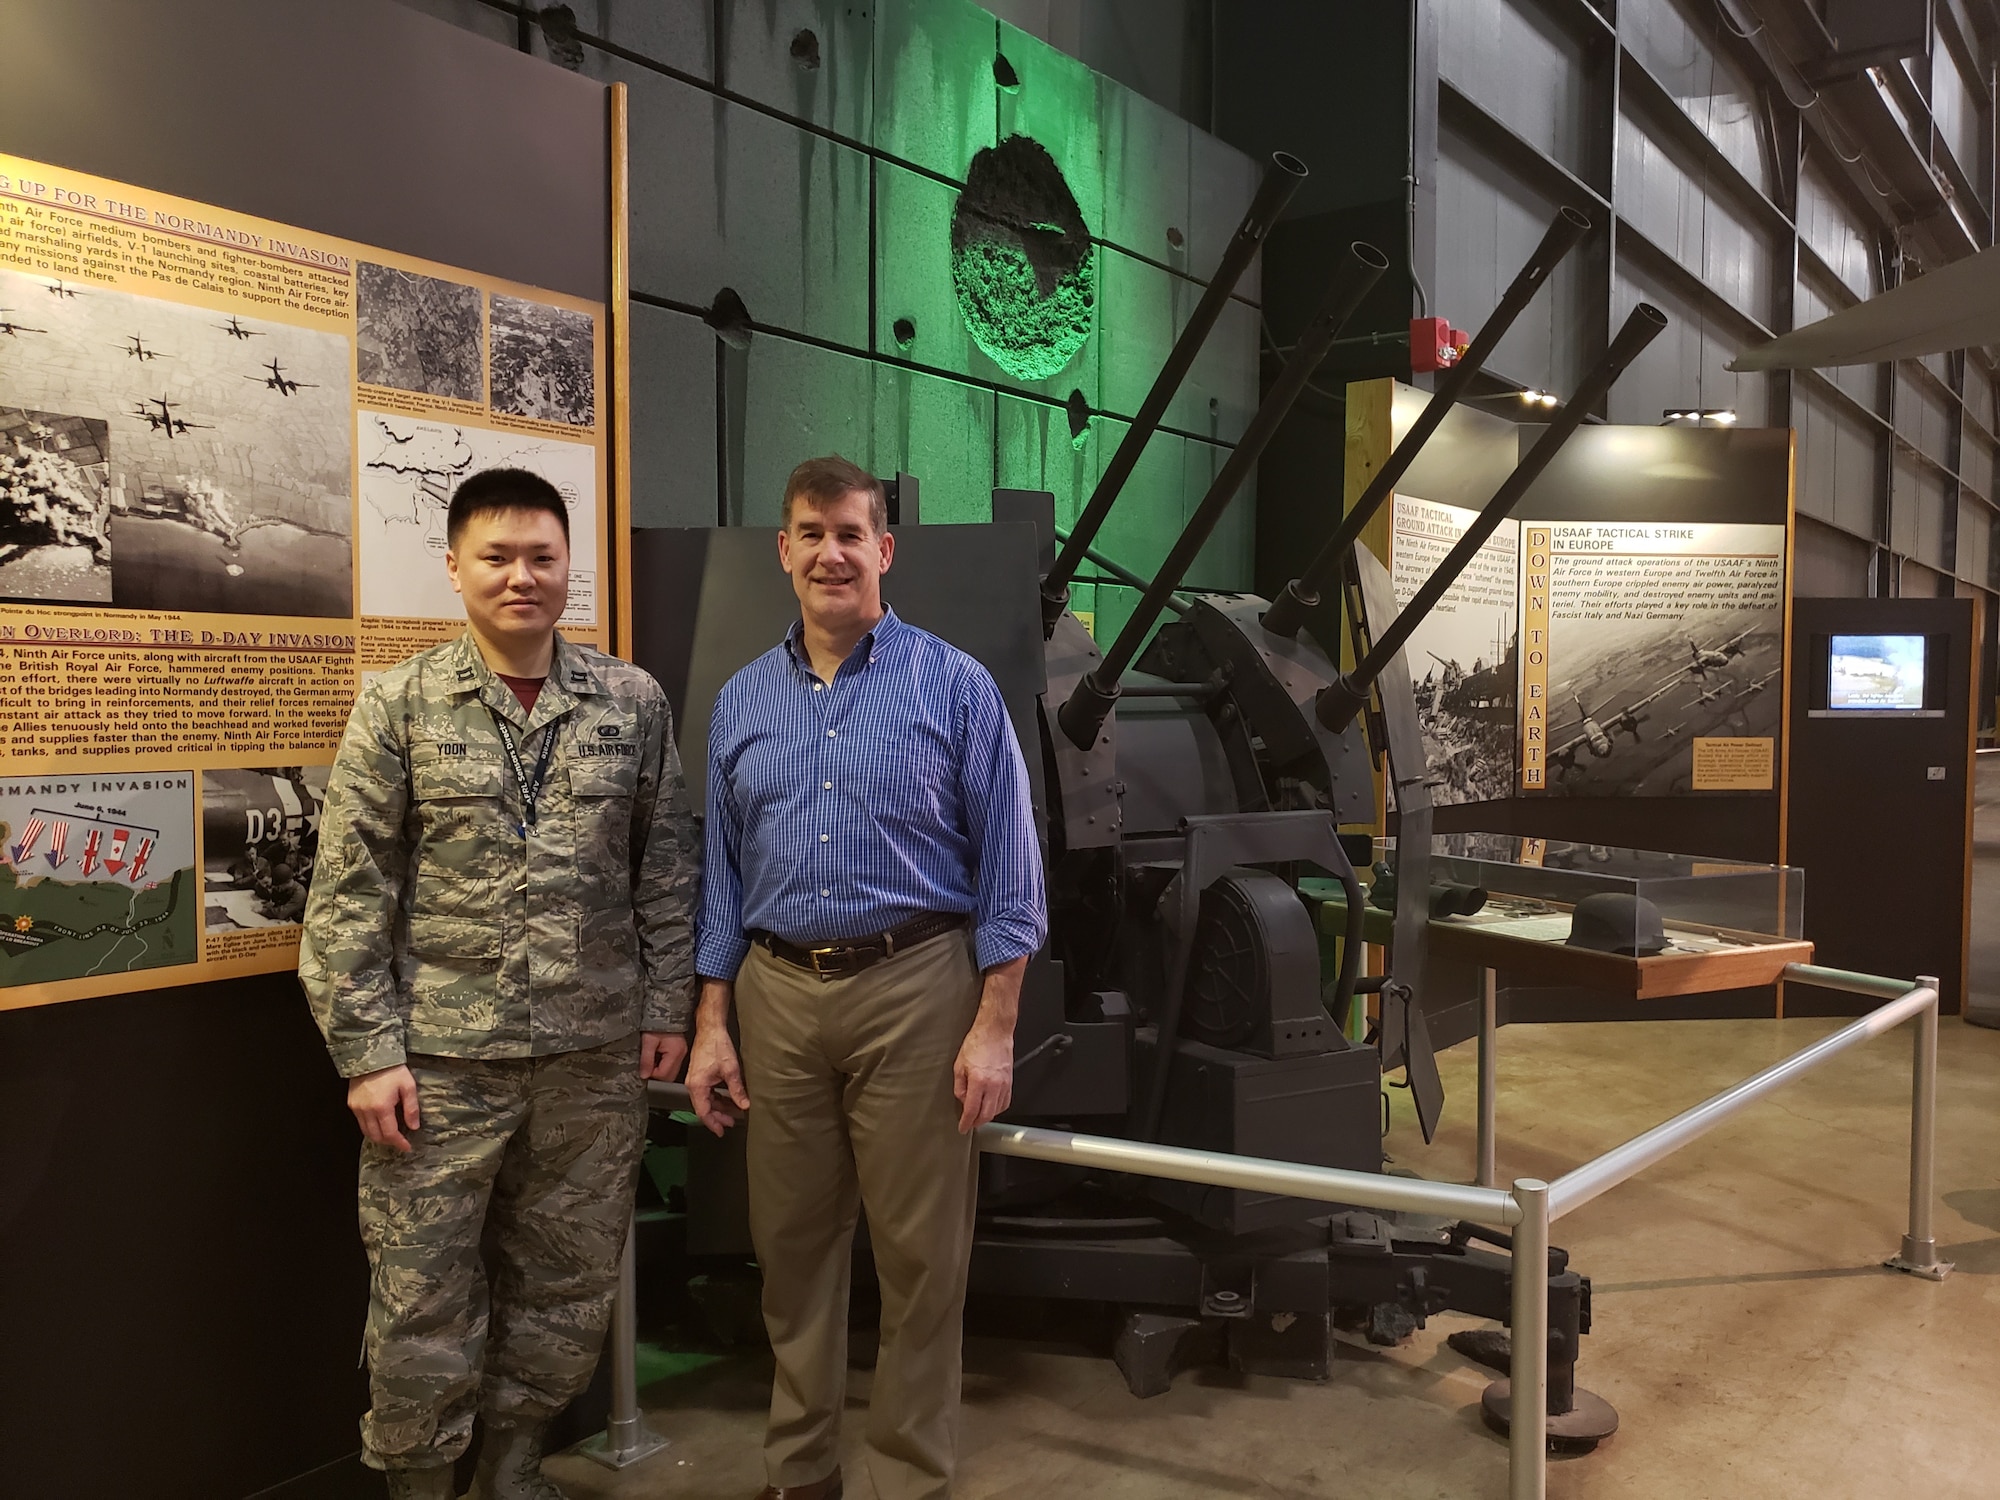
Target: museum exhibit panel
<point x="1484" y="541"/>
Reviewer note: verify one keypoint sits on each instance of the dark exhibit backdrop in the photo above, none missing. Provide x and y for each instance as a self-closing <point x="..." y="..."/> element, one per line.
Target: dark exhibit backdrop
<point x="178" y="1257"/>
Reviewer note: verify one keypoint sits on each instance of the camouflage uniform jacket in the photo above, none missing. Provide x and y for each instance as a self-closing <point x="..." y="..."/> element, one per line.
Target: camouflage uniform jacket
<point x="435" y="926"/>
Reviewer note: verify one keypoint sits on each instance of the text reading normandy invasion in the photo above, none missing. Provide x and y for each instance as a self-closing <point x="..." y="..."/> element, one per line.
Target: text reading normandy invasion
<point x="97" y="784"/>
<point x="138" y="213"/>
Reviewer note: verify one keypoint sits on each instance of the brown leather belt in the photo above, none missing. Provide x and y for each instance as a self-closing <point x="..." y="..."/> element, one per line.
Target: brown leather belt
<point x="850" y="956"/>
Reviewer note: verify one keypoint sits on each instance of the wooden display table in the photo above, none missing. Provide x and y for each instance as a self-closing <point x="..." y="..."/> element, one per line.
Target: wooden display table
<point x="1527" y="937"/>
<point x="1698" y="959"/>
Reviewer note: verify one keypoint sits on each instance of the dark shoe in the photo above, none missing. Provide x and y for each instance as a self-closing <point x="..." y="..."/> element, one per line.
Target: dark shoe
<point x="824" y="1489"/>
<point x="421" y="1484"/>
<point x="510" y="1464"/>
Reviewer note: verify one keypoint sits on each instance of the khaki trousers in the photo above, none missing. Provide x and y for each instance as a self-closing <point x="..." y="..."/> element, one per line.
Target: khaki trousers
<point x="493" y="1244"/>
<point x="851" y="1106"/>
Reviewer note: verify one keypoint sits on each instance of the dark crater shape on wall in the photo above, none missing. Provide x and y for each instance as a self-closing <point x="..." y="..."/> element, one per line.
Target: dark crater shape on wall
<point x="1020" y="260"/>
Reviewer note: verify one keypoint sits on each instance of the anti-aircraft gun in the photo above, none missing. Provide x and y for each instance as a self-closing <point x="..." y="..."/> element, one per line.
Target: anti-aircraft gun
<point x="1188" y="778"/>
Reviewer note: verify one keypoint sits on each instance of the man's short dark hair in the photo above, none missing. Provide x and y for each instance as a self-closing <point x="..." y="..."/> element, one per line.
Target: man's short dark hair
<point x="821" y="482"/>
<point x="492" y="490"/>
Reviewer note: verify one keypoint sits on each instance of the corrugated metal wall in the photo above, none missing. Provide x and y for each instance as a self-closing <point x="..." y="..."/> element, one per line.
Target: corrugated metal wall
<point x="1657" y="117"/>
<point x="808" y="155"/>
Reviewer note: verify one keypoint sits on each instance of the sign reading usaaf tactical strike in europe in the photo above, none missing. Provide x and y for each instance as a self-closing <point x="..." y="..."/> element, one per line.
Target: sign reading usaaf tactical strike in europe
<point x="226" y="449"/>
<point x="1652" y="657"/>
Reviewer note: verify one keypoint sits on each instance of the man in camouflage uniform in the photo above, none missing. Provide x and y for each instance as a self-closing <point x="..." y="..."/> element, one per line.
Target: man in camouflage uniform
<point x="498" y="949"/>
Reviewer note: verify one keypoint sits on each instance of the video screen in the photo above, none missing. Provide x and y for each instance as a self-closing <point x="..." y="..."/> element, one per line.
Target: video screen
<point x="1875" y="672"/>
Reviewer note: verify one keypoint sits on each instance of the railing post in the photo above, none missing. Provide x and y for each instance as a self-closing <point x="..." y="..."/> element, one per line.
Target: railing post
<point x="626" y="1438"/>
<point x="1527" y="1433"/>
<point x="1487" y="1172"/>
<point x="1919" y="1256"/>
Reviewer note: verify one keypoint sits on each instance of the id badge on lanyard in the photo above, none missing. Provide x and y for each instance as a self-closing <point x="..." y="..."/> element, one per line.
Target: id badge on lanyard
<point x="530" y="783"/>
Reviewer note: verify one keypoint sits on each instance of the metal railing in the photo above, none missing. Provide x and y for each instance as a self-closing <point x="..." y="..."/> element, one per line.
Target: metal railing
<point x="1527" y="1209"/>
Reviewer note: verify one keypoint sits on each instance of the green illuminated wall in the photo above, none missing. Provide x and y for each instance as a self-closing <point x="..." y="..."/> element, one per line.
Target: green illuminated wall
<point x="817" y="176"/>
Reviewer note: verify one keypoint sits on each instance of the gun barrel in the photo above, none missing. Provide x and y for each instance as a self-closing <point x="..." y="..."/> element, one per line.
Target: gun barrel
<point x="1120" y="572"/>
<point x="1089" y="704"/>
<point x="1341" y="700"/>
<point x="1288" y="611"/>
<point x="1282" y="177"/>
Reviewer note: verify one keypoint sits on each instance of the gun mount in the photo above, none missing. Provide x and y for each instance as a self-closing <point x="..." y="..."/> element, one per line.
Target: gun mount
<point x="1188" y="779"/>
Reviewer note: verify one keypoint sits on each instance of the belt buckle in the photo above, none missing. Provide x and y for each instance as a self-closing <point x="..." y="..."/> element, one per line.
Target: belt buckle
<point x="832" y="950"/>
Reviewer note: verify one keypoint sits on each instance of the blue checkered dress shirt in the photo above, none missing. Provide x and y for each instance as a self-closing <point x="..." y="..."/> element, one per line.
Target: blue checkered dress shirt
<point x="838" y="810"/>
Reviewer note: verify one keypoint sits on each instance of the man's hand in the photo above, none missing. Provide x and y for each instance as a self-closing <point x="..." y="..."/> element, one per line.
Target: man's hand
<point x="982" y="1078"/>
<point x="661" y="1054"/>
<point x="712" y="1063"/>
<point x="374" y="1098"/>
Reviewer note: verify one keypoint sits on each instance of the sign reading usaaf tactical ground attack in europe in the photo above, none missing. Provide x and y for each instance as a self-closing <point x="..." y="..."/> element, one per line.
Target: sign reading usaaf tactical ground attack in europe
<point x="226" y="449"/>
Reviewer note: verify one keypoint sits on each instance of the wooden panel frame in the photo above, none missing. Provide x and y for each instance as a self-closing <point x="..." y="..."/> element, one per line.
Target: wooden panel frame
<point x="618" y="310"/>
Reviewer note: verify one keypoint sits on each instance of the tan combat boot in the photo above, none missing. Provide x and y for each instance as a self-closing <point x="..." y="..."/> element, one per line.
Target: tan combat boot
<point x="510" y="1464"/>
<point x="421" y="1484"/>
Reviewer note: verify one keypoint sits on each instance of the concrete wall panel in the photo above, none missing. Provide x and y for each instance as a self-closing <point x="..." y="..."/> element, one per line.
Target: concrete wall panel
<point x="677" y="33"/>
<point x="1034" y="450"/>
<point x="1145" y="149"/>
<point x="725" y="196"/>
<point x="673" y="419"/>
<point x="1229" y="557"/>
<point x="1221" y="183"/>
<point x="1150" y="508"/>
<point x="813" y="59"/>
<point x="1056" y="103"/>
<point x="1143" y="311"/>
<point x="798" y="401"/>
<point x="934" y="88"/>
<point x="941" y="431"/>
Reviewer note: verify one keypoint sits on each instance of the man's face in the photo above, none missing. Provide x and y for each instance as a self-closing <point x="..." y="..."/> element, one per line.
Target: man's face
<point x="836" y="559"/>
<point x="512" y="568"/>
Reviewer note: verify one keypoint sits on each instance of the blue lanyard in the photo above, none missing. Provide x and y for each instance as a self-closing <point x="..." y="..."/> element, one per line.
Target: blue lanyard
<point x="531" y="786"/>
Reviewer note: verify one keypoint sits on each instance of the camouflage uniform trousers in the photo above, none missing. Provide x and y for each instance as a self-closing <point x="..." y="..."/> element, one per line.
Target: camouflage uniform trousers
<point x="494" y="1243"/>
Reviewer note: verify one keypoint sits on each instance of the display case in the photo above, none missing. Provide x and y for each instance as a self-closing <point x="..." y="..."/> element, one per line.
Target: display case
<point x="1635" y="920"/>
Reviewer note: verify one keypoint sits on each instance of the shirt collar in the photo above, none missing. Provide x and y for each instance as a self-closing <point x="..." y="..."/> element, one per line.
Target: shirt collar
<point x="865" y="650"/>
<point x="570" y="676"/>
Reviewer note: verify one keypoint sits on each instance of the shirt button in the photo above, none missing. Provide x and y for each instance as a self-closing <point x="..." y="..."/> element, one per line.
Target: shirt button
<point x="823" y="837"/>
<point x="830" y="734"/>
<point x="817" y="686"/>
<point x="827" y="785"/>
<point x="826" y="893"/>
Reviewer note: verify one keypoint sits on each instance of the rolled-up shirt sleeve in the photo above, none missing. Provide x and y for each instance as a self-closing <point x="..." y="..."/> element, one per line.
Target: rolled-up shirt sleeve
<point x="1011" y="920"/>
<point x="721" y="942"/>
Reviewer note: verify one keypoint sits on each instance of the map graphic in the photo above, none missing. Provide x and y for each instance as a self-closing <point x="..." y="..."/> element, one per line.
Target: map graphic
<point x="409" y="468"/>
<point x="96" y="875"/>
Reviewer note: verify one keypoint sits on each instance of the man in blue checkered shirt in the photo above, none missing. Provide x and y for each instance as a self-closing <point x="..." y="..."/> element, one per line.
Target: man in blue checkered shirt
<point x="871" y="894"/>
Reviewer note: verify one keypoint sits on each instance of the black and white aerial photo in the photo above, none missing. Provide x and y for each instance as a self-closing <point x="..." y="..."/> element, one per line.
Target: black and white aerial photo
<point x="55" y="507"/>
<point x="544" y="362"/>
<point x="203" y="461"/>
<point x="419" y="333"/>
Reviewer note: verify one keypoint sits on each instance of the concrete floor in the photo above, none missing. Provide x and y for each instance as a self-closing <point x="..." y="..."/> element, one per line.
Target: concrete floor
<point x="1745" y="1331"/>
